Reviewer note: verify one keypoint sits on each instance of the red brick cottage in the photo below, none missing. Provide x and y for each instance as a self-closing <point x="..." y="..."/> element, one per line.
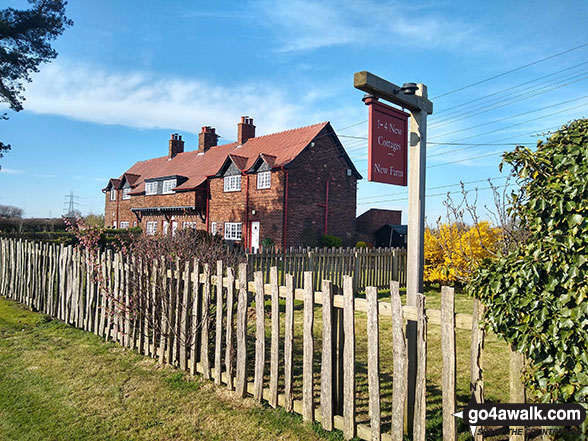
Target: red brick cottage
<point x="291" y="187"/>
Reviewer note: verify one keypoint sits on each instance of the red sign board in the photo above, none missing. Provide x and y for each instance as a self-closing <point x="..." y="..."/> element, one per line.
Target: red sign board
<point x="388" y="144"/>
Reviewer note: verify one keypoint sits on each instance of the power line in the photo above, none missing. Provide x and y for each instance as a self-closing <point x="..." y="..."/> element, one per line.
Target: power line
<point x="505" y="102"/>
<point x="510" y="71"/>
<point x="472" y="144"/>
<point x="436" y="188"/>
<point x="437" y="194"/>
<point x="511" y="116"/>
<point x="533" y="133"/>
<point x="503" y="91"/>
<point x="466" y="159"/>
<point x="354" y="137"/>
<point x="523" y="122"/>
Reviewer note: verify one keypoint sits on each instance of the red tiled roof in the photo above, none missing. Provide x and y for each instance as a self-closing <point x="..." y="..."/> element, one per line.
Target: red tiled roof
<point x="280" y="147"/>
<point x="239" y="161"/>
<point x="269" y="159"/>
<point x="130" y="177"/>
<point x="112" y="182"/>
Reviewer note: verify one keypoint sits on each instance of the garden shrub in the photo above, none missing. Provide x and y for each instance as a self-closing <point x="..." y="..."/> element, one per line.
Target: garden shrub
<point x="330" y="241"/>
<point x="453" y="251"/>
<point x="536" y="296"/>
<point x="267" y="243"/>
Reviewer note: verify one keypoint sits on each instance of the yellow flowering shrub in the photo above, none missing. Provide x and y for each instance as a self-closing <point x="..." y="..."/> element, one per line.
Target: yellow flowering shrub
<point x="452" y="251"/>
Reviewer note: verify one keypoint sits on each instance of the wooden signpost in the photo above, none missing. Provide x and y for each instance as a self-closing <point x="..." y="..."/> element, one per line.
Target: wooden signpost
<point x="412" y="97"/>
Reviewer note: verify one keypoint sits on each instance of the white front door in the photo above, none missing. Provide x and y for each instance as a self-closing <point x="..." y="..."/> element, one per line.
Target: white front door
<point x="254" y="236"/>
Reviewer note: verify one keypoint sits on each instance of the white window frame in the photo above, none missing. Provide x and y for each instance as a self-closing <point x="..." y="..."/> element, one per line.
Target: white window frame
<point x="168" y="184"/>
<point x="264" y="180"/>
<point x="124" y="224"/>
<point x="232" y="183"/>
<point x="233" y="230"/>
<point x="113" y="224"/>
<point x="151" y="188"/>
<point x="134" y="223"/>
<point x="113" y="195"/>
<point x="189" y="224"/>
<point x="125" y="193"/>
<point x="213" y="228"/>
<point x="151" y="228"/>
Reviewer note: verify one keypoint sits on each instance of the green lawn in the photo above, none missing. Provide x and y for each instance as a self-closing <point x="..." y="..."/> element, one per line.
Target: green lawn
<point x="57" y="382"/>
<point x="60" y="383"/>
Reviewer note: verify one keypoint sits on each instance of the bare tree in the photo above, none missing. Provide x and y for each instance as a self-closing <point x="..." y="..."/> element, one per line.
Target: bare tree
<point x="463" y="213"/>
<point x="11" y="211"/>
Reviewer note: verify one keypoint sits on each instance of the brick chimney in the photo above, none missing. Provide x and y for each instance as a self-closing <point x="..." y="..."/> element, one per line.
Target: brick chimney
<point x="176" y="145"/>
<point x="245" y="130"/>
<point x="207" y="138"/>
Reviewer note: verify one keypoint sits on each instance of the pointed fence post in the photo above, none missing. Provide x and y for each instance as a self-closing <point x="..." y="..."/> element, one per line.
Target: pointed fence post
<point x="241" y="373"/>
<point x="399" y="386"/>
<point x="259" y="336"/>
<point x="449" y="370"/>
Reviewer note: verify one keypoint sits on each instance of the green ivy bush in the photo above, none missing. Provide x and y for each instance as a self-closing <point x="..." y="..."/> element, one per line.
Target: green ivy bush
<point x="537" y="295"/>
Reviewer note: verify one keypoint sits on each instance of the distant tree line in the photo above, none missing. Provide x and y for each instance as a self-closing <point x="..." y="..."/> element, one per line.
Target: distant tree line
<point x="10" y="211"/>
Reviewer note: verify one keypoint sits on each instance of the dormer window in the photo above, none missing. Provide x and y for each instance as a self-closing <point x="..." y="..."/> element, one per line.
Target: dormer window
<point x="168" y="185"/>
<point x="113" y="195"/>
<point x="264" y="180"/>
<point x="232" y="183"/>
<point x="125" y="193"/>
<point x="151" y="187"/>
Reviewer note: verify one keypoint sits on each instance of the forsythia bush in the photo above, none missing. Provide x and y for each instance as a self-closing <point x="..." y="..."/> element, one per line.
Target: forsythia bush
<point x="452" y="251"/>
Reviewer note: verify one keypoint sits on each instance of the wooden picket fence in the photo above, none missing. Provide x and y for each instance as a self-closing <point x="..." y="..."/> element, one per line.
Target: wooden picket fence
<point x="209" y="305"/>
<point x="366" y="266"/>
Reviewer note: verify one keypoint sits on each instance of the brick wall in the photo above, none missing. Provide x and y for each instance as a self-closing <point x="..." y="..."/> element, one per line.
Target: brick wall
<point x="269" y="207"/>
<point x="125" y="214"/>
<point x="110" y="208"/>
<point x="227" y="207"/>
<point x="232" y="206"/>
<point x="372" y="220"/>
<point x="307" y="177"/>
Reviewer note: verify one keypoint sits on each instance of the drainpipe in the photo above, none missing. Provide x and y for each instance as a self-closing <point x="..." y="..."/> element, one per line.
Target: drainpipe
<point x="244" y="234"/>
<point x="285" y="229"/>
<point x="117" y="208"/>
<point x="207" y="206"/>
<point x="326" y="207"/>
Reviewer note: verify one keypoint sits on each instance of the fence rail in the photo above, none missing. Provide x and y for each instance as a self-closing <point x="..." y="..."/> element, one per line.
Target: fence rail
<point x="367" y="267"/>
<point x="194" y="316"/>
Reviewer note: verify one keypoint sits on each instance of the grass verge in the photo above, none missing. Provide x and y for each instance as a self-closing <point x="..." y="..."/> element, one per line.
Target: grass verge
<point x="58" y="382"/>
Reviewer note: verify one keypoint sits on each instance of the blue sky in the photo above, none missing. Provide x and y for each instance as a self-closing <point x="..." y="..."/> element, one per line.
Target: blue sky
<point x="130" y="73"/>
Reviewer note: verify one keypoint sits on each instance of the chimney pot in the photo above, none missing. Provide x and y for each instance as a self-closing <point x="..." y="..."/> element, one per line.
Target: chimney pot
<point x="245" y="130"/>
<point x="176" y="145"/>
<point x="207" y="139"/>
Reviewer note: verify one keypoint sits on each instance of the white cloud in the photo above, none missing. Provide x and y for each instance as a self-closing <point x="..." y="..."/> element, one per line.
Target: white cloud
<point x="11" y="171"/>
<point x="144" y="100"/>
<point x="306" y="25"/>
